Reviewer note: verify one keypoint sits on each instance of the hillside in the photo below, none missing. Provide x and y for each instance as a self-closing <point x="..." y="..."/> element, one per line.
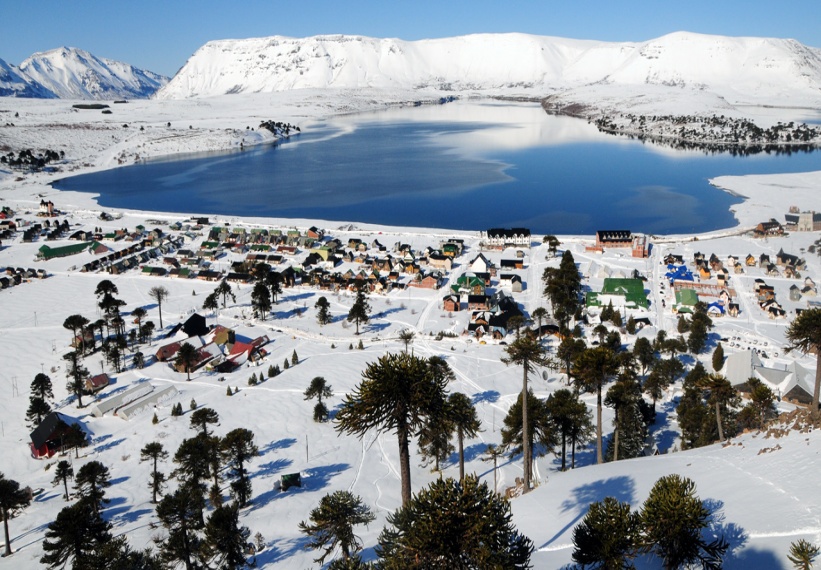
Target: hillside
<point x="740" y="70"/>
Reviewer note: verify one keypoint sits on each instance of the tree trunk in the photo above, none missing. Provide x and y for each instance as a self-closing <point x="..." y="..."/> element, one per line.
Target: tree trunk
<point x="525" y="432"/>
<point x="461" y="456"/>
<point x="65" y="485"/>
<point x="616" y="438"/>
<point x="718" y="422"/>
<point x="6" y="529"/>
<point x="564" y="450"/>
<point x="573" y="453"/>
<point x="599" y="454"/>
<point x="816" y="392"/>
<point x="404" y="464"/>
<point x="159" y="309"/>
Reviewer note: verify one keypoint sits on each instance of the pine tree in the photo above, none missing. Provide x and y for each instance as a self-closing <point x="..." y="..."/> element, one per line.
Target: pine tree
<point x="154" y="452"/>
<point x="201" y="418"/>
<point x="225" y="539"/>
<point x="294" y="359"/>
<point x="187" y="357"/>
<point x="630" y="326"/>
<point x="323" y="314"/>
<point x="397" y="393"/>
<point x="565" y="411"/>
<point x="630" y="432"/>
<point x="462" y="415"/>
<point x="360" y="309"/>
<point x="332" y="524"/>
<point x="238" y="448"/>
<point x="718" y="358"/>
<point x="91" y="481"/>
<point x="453" y="525"/>
<point x="77" y="534"/>
<point x="434" y="440"/>
<point x="319" y="389"/>
<point x="76" y="374"/>
<point x="595" y="367"/>
<point x="62" y="473"/>
<point x="286" y="365"/>
<point x="41" y="387"/>
<point x="802" y="554"/>
<point x="37" y="410"/>
<point x="608" y="536"/>
<point x="539" y="429"/>
<point x="12" y="499"/>
<point x="181" y="514"/>
<point x="673" y="517"/>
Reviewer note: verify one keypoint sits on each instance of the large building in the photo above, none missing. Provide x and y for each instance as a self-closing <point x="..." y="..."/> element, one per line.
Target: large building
<point x="501" y="238"/>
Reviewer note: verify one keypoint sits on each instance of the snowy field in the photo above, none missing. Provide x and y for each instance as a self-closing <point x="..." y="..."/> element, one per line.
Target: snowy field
<point x="765" y="490"/>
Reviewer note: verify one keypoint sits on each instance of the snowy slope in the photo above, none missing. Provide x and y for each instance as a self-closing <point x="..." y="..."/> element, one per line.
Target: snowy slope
<point x="14" y="83"/>
<point x="736" y="68"/>
<point x="72" y="73"/>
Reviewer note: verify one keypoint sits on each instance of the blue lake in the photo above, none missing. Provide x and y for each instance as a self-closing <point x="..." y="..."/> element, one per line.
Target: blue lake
<point x="463" y="165"/>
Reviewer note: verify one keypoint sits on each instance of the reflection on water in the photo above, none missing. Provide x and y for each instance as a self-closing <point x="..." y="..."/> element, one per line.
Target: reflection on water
<point x="463" y="165"/>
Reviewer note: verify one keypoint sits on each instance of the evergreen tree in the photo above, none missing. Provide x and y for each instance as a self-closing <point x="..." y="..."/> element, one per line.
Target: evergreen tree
<point x="193" y="458"/>
<point x="117" y="553"/>
<point x="332" y="524"/>
<point x="722" y="397"/>
<point x="692" y="410"/>
<point x="804" y="335"/>
<point x="462" y="415"/>
<point x="645" y="354"/>
<point x="323" y="313"/>
<point x="224" y="290"/>
<point x="201" y="418"/>
<point x="286" y="365"/>
<point x="187" y="357"/>
<point x="261" y="300"/>
<point x="37" y="410"/>
<point x="397" y="393"/>
<point x="274" y="281"/>
<point x="76" y="323"/>
<point x="294" y="358"/>
<point x="76" y="374"/>
<point x="718" y="358"/>
<point x="673" y="517"/>
<point x="154" y="452"/>
<point x="63" y="471"/>
<point x="238" y="448"/>
<point x="803" y="554"/>
<point x="211" y="302"/>
<point x="360" y="309"/>
<point x="453" y="525"/>
<point x="761" y="408"/>
<point x="159" y="294"/>
<point x="582" y="429"/>
<point x="41" y="387"/>
<point x="700" y="325"/>
<point x="181" y="514"/>
<point x="630" y="326"/>
<point x="630" y="433"/>
<point x="225" y="539"/>
<point x="664" y="373"/>
<point x="75" y="438"/>
<point x="77" y="534"/>
<point x="319" y="389"/>
<point x="564" y="410"/>
<point x="540" y="429"/>
<point x="528" y="353"/>
<point x="434" y="439"/>
<point x="567" y="352"/>
<point x="563" y="289"/>
<point x="91" y="481"/>
<point x="595" y="367"/>
<point x="608" y="537"/>
<point x="12" y="499"/>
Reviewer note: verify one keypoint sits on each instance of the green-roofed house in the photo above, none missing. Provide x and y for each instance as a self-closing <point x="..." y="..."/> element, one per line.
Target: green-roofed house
<point x="686" y="300"/>
<point x="45" y="252"/>
<point x="623" y="293"/>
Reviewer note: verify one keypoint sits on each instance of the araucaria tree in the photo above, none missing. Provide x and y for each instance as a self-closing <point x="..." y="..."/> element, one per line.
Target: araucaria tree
<point x="608" y="537"/>
<point x="41" y="392"/>
<point x="76" y="374"/>
<point x="672" y="518"/>
<point x="154" y="452"/>
<point x="594" y="367"/>
<point x="77" y="534"/>
<point x="563" y="288"/>
<point x="332" y="522"/>
<point x="527" y="353"/>
<point x="76" y="323"/>
<point x="181" y="514"/>
<point x="225" y="539"/>
<point x="12" y="499"/>
<point x="453" y="525"/>
<point x="463" y="416"/>
<point x="804" y="334"/>
<point x="202" y="418"/>
<point x="261" y="300"/>
<point x="91" y="481"/>
<point x="319" y="388"/>
<point x="569" y="417"/>
<point x="396" y="394"/>
<point x="360" y="309"/>
<point x="62" y="473"/>
<point x="159" y="294"/>
<point x="539" y="428"/>
<point x="323" y="311"/>
<point x="238" y="448"/>
<point x="187" y="357"/>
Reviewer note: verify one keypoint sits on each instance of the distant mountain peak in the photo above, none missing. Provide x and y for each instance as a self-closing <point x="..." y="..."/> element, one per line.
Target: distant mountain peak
<point x="73" y="73"/>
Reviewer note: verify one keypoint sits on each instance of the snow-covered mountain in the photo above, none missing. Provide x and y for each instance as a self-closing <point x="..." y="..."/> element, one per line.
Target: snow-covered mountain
<point x="71" y="73"/>
<point x="736" y="68"/>
<point x="14" y="83"/>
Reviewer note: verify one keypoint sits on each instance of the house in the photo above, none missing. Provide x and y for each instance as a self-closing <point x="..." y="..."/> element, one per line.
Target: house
<point x="793" y="382"/>
<point x="766" y="229"/>
<point x="614" y="238"/>
<point x="47" y="438"/>
<point x="795" y="293"/>
<point x="622" y="292"/>
<point x="785" y="259"/>
<point x="802" y="221"/>
<point x="686" y="300"/>
<point x="96" y="383"/>
<point x="501" y="238"/>
<point x="672" y="259"/>
<point x="451" y="304"/>
<point x="315" y="233"/>
<point x="511" y="264"/>
<point x="511" y="281"/>
<point x="195" y="325"/>
<point x="750" y="261"/>
<point x="733" y="309"/>
<point x="478" y="302"/>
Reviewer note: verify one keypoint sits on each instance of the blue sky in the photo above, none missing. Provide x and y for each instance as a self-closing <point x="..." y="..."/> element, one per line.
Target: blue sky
<point x="160" y="35"/>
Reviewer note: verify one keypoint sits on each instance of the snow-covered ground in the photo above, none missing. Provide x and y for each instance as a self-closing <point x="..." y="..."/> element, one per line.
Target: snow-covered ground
<point x="768" y="499"/>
